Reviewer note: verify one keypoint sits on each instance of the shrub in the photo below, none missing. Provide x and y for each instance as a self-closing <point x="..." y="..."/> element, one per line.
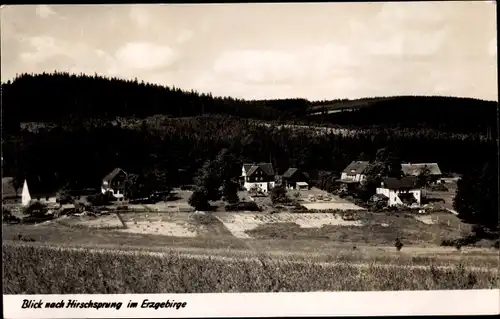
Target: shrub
<point x="398" y="244"/>
<point x="279" y="195"/>
<point x="439" y="188"/>
<point x="243" y="206"/>
<point x="496" y="244"/>
<point x="199" y="199"/>
<point x="36" y="209"/>
<point x="99" y="199"/>
<point x="24" y="238"/>
<point x="8" y="217"/>
<point x="448" y="242"/>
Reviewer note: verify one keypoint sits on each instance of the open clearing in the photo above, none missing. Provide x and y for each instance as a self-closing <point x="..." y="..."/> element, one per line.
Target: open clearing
<point x="160" y="228"/>
<point x="107" y="221"/>
<point x="167" y="224"/>
<point x="426" y="219"/>
<point x="239" y="223"/>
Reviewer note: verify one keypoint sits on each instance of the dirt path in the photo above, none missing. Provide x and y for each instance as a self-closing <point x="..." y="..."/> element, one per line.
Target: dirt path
<point x="250" y="256"/>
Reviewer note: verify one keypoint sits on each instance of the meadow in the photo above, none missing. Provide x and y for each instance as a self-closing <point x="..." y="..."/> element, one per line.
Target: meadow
<point x="42" y="270"/>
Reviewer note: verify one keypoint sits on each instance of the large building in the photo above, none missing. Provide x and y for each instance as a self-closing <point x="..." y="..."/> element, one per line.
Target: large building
<point x="402" y="191"/>
<point x="258" y="176"/>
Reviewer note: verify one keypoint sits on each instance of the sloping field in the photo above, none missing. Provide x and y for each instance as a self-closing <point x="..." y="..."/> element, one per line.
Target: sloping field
<point x="44" y="270"/>
<point x="239" y="223"/>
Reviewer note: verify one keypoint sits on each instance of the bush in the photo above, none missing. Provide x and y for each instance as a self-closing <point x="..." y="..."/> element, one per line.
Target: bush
<point x="199" y="199"/>
<point x="439" y="188"/>
<point x="398" y="244"/>
<point x="243" y="206"/>
<point x="448" y="242"/>
<point x="24" y="238"/>
<point x="99" y="200"/>
<point x="279" y="195"/>
<point x="7" y="216"/>
<point x="36" y="209"/>
<point x="496" y="244"/>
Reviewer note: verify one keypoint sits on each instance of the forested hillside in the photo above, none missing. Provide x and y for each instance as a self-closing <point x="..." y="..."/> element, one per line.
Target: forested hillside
<point x="90" y="134"/>
<point x="449" y="114"/>
<point x="60" y="97"/>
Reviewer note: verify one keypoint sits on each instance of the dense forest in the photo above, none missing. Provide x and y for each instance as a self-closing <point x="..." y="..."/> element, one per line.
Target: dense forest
<point x="195" y="127"/>
<point x="442" y="113"/>
<point x="56" y="97"/>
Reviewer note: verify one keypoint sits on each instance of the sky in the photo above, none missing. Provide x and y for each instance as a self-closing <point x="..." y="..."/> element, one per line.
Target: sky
<point x="317" y="51"/>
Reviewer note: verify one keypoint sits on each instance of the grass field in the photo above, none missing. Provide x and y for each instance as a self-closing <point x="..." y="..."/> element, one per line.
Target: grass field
<point x="63" y="271"/>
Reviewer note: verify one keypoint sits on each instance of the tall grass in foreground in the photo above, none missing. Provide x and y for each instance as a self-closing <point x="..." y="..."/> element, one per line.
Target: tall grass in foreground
<point x="39" y="270"/>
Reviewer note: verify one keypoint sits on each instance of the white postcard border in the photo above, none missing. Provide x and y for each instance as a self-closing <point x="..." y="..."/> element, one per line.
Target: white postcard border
<point x="437" y="302"/>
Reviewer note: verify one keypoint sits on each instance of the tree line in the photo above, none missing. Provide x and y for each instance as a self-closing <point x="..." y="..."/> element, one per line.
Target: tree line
<point x="63" y="97"/>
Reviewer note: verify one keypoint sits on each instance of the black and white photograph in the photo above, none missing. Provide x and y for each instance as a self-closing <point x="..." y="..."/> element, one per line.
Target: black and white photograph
<point x="249" y="148"/>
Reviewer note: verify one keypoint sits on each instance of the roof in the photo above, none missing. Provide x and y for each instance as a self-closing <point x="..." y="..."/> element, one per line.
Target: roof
<point x="113" y="174"/>
<point x="356" y="167"/>
<point x="267" y="168"/>
<point x="302" y="184"/>
<point x="379" y="197"/>
<point x="408" y="182"/>
<point x="8" y="189"/>
<point x="289" y="172"/>
<point x="415" y="169"/>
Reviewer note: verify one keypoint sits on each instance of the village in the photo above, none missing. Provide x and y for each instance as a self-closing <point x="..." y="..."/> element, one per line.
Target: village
<point x="269" y="205"/>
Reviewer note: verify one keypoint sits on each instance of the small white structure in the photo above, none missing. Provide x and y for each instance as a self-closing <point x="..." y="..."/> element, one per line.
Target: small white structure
<point x="25" y="195"/>
<point x="302" y="186"/>
<point x="258" y="176"/>
<point x="401" y="191"/>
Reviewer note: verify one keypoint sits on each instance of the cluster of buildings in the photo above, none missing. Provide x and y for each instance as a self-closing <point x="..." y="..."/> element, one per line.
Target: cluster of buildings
<point x="397" y="191"/>
<point x="113" y="183"/>
<point x="262" y="177"/>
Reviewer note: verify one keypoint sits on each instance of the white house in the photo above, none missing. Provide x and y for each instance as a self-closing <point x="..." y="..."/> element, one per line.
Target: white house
<point x="402" y="191"/>
<point x="354" y="172"/>
<point x="260" y="176"/>
<point x="114" y="183"/>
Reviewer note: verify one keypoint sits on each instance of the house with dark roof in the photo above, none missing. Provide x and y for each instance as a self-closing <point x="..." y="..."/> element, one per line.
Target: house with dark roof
<point x="294" y="178"/>
<point x="114" y="183"/>
<point x="258" y="176"/>
<point x="415" y="169"/>
<point x="354" y="172"/>
<point x="353" y="175"/>
<point x="403" y="191"/>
